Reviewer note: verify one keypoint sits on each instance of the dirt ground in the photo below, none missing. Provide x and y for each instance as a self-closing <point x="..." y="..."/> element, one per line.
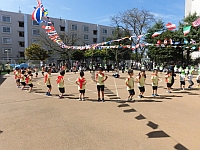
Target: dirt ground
<point x="33" y="121"/>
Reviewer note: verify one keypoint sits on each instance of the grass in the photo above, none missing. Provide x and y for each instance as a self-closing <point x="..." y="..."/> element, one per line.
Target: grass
<point x="3" y="73"/>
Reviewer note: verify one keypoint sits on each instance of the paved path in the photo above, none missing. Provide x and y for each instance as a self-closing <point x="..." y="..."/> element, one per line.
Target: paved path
<point x="33" y="121"/>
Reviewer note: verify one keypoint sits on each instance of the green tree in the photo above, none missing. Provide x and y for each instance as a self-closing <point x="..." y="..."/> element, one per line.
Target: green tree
<point x="36" y="52"/>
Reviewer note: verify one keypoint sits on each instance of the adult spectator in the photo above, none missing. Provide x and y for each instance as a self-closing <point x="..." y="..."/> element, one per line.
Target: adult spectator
<point x="171" y="67"/>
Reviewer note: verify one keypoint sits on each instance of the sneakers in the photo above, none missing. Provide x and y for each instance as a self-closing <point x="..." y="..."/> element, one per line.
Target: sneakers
<point x="103" y="100"/>
<point x="156" y="95"/>
<point x="153" y="95"/>
<point x="83" y="99"/>
<point x="99" y="99"/>
<point x="169" y="92"/>
<point x="140" y="96"/>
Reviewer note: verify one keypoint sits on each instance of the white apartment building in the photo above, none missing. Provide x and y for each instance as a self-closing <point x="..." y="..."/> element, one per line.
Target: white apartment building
<point x="18" y="31"/>
<point x="192" y="6"/>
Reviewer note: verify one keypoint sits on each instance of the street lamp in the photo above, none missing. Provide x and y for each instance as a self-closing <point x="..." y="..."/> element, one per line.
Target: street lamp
<point x="7" y="55"/>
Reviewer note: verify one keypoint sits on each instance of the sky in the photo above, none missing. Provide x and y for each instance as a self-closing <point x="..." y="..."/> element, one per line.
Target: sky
<point x="99" y="11"/>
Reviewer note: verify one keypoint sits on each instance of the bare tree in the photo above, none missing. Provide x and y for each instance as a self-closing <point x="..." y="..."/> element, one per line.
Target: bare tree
<point x="138" y="21"/>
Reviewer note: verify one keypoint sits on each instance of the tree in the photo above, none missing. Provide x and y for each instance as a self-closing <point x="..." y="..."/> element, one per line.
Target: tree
<point x="137" y="21"/>
<point x="36" y="52"/>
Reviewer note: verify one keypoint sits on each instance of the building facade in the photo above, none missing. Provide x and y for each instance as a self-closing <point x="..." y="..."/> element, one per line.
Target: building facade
<point x="18" y="31"/>
<point x="192" y="6"/>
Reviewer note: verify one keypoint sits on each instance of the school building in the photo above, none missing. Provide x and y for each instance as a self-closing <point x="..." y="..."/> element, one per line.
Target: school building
<point x="18" y="31"/>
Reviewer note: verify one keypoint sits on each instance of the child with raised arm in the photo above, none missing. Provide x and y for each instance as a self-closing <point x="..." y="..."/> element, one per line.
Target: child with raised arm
<point x="130" y="85"/>
<point x="61" y="84"/>
<point x="141" y="82"/>
<point x="47" y="81"/>
<point x="100" y="79"/>
<point x="168" y="79"/>
<point x="81" y="82"/>
<point x="155" y="79"/>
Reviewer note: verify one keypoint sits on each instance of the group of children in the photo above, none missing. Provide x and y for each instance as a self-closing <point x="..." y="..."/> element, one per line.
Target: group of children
<point x="140" y="80"/>
<point x="24" y="77"/>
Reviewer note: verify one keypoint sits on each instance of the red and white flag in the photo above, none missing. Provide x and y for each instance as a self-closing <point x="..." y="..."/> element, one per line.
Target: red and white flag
<point x="196" y="23"/>
<point x="170" y="26"/>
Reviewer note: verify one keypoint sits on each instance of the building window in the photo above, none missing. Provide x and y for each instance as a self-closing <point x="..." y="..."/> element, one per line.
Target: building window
<point x="21" y="24"/>
<point x="7" y="50"/>
<point x="6" y="19"/>
<point x="35" y="40"/>
<point x="21" y="44"/>
<point x="21" y="54"/>
<point x="85" y="28"/>
<point x="6" y="29"/>
<point x="21" y="33"/>
<point x="62" y="28"/>
<point x="103" y="39"/>
<point x="94" y="40"/>
<point x="112" y="32"/>
<point x="6" y="40"/>
<point x="95" y="32"/>
<point x="74" y="27"/>
<point x="86" y="37"/>
<point x="35" y="23"/>
<point x="104" y="31"/>
<point x="35" y="32"/>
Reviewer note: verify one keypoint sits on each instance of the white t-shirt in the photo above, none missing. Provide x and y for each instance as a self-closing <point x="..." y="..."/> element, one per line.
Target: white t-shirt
<point x="190" y="76"/>
<point x="182" y="77"/>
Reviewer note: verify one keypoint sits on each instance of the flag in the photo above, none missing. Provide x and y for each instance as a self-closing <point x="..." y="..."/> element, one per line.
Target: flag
<point x="165" y="41"/>
<point x="192" y="41"/>
<point x="171" y="42"/>
<point x="170" y="26"/>
<point x="186" y="30"/>
<point x="196" y="23"/>
<point x="156" y="33"/>
<point x="139" y="36"/>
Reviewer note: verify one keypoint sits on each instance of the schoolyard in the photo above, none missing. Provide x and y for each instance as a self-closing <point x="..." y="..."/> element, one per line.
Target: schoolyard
<point x="34" y="121"/>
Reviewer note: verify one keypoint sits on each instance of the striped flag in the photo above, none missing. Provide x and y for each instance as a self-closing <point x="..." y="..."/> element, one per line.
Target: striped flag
<point x="170" y="26"/>
<point x="156" y="33"/>
<point x="196" y="23"/>
<point x="186" y="30"/>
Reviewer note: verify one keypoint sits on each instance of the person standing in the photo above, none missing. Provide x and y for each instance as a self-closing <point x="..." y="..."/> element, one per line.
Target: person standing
<point x="168" y="79"/>
<point x="60" y="83"/>
<point x="141" y="82"/>
<point x="47" y="81"/>
<point x="100" y="79"/>
<point x="155" y="79"/>
<point x="130" y="85"/>
<point x="81" y="82"/>
<point x="171" y="67"/>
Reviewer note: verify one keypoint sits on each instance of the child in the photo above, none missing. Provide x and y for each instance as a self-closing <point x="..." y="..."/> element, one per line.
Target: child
<point x="47" y="81"/>
<point x="190" y="76"/>
<point x="81" y="86"/>
<point x="141" y="82"/>
<point x="130" y="85"/>
<point x="36" y="72"/>
<point x="168" y="79"/>
<point x="155" y="79"/>
<point x="17" y="76"/>
<point x="100" y="79"/>
<point x="43" y="70"/>
<point x="182" y="80"/>
<point x="60" y="82"/>
<point x="29" y="79"/>
<point x="23" y="79"/>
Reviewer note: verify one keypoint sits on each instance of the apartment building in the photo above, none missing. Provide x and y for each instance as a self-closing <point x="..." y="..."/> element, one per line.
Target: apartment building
<point x="18" y="31"/>
<point x="192" y="6"/>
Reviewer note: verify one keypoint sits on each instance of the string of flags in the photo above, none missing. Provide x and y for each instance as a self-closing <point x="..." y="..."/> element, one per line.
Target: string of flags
<point x="40" y="15"/>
